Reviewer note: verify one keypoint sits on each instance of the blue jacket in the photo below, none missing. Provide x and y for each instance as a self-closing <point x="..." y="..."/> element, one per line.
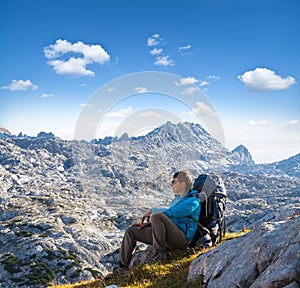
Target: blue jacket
<point x="180" y="209"/>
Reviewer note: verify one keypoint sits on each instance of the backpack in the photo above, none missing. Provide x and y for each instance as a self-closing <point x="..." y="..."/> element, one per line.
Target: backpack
<point x="212" y="196"/>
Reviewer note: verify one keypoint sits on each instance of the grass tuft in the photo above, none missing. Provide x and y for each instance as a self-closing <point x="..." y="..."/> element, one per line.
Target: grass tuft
<point x="169" y="273"/>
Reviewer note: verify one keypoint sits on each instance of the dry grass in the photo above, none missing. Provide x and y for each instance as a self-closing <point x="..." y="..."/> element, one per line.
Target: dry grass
<point x="171" y="273"/>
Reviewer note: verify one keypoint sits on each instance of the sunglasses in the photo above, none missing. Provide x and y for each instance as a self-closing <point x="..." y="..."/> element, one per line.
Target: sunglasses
<point x="174" y="181"/>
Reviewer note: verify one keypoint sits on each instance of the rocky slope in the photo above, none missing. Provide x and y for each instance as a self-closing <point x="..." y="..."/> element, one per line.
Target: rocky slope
<point x="271" y="260"/>
<point x="64" y="204"/>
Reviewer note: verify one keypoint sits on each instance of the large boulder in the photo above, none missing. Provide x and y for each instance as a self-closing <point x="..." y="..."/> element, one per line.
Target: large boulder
<point x="268" y="256"/>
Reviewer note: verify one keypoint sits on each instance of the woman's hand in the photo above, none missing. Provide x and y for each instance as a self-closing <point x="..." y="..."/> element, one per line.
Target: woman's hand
<point x="146" y="216"/>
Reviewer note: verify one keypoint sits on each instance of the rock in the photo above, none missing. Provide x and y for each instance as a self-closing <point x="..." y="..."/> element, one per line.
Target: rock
<point x="268" y="256"/>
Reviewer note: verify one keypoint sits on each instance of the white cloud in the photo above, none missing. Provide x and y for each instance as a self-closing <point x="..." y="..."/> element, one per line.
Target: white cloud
<point x="190" y="90"/>
<point x="59" y="48"/>
<point x="155" y="51"/>
<point x="149" y="114"/>
<point x="59" y="57"/>
<point x="203" y="110"/>
<point x="257" y="123"/>
<point x="119" y="114"/>
<point x="111" y="121"/>
<point x="75" y="66"/>
<point x="203" y="83"/>
<point x="186" y="81"/>
<point x="86" y="105"/>
<point x="263" y="79"/>
<point x="20" y="85"/>
<point x="141" y="90"/>
<point x="185" y="47"/>
<point x="184" y="50"/>
<point x="213" y="77"/>
<point x="267" y="141"/>
<point x="164" y="61"/>
<point x="153" y="40"/>
<point x="161" y="59"/>
<point x="111" y="89"/>
<point x="46" y="95"/>
<point x="191" y="81"/>
<point x="293" y="122"/>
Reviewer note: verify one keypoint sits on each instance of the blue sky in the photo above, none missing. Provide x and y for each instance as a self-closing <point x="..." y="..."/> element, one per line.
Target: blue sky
<point x="243" y="55"/>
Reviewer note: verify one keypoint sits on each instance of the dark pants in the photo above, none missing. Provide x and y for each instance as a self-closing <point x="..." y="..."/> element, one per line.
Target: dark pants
<point x="162" y="234"/>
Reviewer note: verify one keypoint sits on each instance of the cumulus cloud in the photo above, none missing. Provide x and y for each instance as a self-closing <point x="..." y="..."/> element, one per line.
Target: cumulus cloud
<point x="141" y="90"/>
<point x="203" y="83"/>
<point x="75" y="66"/>
<point x="203" y="110"/>
<point x="119" y="114"/>
<point x="213" y="77"/>
<point x="164" y="61"/>
<point x="153" y="40"/>
<point x="184" y="50"/>
<point x="186" y="81"/>
<point x="46" y="95"/>
<point x="20" y="85"/>
<point x="161" y="58"/>
<point x="155" y="51"/>
<point x="191" y="81"/>
<point x="61" y="57"/>
<point x="190" y="90"/>
<point x="263" y="79"/>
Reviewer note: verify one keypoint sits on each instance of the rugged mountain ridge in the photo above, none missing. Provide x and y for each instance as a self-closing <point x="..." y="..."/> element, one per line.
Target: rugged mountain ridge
<point x="63" y="204"/>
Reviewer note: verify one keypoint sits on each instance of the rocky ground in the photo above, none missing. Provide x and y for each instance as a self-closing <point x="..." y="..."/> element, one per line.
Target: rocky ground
<point x="271" y="258"/>
<point x="64" y="205"/>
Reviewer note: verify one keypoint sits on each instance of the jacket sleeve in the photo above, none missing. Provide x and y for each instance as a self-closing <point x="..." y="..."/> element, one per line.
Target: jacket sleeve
<point x="155" y="210"/>
<point x="184" y="208"/>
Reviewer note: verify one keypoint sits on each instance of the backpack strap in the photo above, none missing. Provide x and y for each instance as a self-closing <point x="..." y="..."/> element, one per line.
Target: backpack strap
<point x="199" y="224"/>
<point x="191" y="217"/>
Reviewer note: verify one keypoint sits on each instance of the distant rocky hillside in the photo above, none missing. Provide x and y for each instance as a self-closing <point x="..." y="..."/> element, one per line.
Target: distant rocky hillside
<point x="290" y="166"/>
<point x="64" y="204"/>
<point x="4" y="132"/>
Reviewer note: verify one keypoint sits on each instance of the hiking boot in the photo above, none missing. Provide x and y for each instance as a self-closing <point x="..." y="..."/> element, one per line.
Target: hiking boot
<point x="155" y="255"/>
<point x="117" y="271"/>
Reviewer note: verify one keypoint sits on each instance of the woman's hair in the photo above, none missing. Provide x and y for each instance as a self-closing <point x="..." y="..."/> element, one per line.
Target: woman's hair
<point x="186" y="177"/>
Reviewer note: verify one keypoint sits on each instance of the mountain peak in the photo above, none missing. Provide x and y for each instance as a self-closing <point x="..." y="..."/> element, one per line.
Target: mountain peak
<point x="180" y="130"/>
<point x="243" y="154"/>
